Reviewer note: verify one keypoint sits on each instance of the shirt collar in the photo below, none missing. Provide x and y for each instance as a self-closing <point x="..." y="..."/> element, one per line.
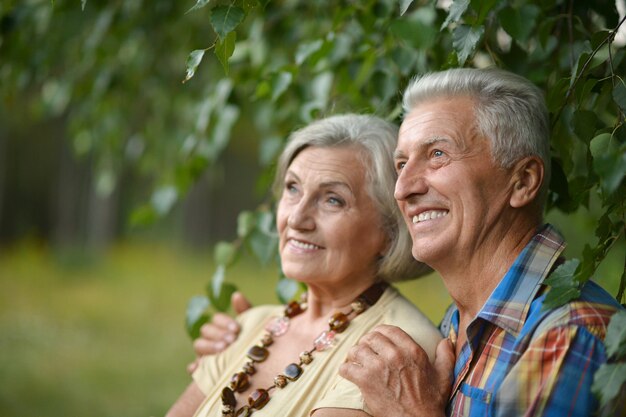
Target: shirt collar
<point x="509" y="303"/>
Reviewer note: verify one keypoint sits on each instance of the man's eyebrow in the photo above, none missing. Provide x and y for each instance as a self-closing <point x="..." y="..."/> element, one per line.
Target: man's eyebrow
<point x="400" y="154"/>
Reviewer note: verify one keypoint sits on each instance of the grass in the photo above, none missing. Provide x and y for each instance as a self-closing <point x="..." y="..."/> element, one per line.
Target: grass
<point x="105" y="336"/>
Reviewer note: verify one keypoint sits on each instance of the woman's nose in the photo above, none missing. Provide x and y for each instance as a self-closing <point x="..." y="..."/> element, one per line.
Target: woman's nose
<point x="301" y="216"/>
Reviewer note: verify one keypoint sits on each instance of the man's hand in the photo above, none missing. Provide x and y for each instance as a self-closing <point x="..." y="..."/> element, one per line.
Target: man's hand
<point x="396" y="376"/>
<point x="220" y="332"/>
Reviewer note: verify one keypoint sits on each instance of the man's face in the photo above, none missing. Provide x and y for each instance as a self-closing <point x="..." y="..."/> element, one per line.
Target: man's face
<point x="449" y="190"/>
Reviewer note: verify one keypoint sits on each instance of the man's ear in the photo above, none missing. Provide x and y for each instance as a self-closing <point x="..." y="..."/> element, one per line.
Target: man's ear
<point x="526" y="181"/>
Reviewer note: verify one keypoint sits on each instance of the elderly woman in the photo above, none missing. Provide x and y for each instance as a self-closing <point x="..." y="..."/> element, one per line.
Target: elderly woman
<point x="340" y="233"/>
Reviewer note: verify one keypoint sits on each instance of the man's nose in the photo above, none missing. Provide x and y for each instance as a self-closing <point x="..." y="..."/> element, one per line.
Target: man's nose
<point x="410" y="182"/>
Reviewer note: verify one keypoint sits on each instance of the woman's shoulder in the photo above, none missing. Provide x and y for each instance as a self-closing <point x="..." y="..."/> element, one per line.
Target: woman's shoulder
<point x="401" y="312"/>
<point x="259" y="314"/>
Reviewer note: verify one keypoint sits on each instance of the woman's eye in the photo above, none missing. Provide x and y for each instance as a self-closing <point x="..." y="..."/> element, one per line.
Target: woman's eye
<point x="335" y="201"/>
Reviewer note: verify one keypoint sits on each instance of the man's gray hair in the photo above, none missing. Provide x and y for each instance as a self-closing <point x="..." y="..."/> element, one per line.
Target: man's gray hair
<point x="374" y="141"/>
<point x="510" y="111"/>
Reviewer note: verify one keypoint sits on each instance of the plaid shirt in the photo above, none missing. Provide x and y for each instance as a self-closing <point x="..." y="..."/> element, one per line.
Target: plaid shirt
<point x="521" y="361"/>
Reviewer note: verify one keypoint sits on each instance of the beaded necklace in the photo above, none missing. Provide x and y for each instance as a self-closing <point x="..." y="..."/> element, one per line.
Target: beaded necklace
<point x="277" y="327"/>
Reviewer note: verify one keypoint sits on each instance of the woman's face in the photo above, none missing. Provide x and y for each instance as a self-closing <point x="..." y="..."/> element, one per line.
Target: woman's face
<point x="330" y="230"/>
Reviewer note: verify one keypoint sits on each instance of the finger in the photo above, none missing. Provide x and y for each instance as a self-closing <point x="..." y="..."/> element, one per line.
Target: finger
<point x="361" y="354"/>
<point x="225" y="322"/>
<point x="214" y="333"/>
<point x="193" y="366"/>
<point x="395" y="334"/>
<point x="206" y="347"/>
<point x="361" y="364"/>
<point x="444" y="365"/>
<point x="239" y="302"/>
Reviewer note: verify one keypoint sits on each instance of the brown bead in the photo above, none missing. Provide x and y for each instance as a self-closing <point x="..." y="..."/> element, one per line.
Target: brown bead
<point x="228" y="398"/>
<point x="293" y="371"/>
<point x="280" y="381"/>
<point x="293" y="309"/>
<point x="239" y="382"/>
<point x="257" y="353"/>
<point x="258" y="398"/>
<point x="339" y="322"/>
<point x="249" y="368"/>
<point x="306" y="358"/>
<point x="358" y="306"/>
<point x="267" y="340"/>
<point x="244" y="411"/>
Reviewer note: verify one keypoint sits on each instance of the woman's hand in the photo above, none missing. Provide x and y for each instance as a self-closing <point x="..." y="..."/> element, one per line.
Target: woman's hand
<point x="220" y="332"/>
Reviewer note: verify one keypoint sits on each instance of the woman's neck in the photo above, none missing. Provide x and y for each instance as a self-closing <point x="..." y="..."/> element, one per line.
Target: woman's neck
<point x="323" y="301"/>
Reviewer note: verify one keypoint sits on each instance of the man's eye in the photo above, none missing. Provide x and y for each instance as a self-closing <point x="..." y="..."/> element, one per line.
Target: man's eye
<point x="400" y="166"/>
<point x="437" y="153"/>
<point x="335" y="201"/>
<point x="290" y="187"/>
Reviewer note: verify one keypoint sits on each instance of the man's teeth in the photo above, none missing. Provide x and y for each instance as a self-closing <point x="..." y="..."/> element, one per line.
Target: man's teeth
<point x="303" y="245"/>
<point x="428" y="215"/>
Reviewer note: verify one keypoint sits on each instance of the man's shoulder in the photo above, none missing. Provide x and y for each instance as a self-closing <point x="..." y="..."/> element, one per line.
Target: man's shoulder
<point x="592" y="310"/>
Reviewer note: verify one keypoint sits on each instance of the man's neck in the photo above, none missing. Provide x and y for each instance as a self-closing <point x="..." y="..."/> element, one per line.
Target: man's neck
<point x="470" y="283"/>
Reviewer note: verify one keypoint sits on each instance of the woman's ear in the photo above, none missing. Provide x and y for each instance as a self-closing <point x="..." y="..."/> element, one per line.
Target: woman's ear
<point x="526" y="181"/>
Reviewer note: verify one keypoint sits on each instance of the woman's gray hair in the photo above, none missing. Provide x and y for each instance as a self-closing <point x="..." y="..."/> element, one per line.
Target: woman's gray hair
<point x="376" y="139"/>
<point x="510" y="111"/>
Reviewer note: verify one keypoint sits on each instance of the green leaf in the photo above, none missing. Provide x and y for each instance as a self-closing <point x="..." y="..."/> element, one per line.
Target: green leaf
<point x="219" y="291"/>
<point x="246" y="222"/>
<point x="465" y="39"/>
<point x="564" y="287"/>
<point x="197" y="315"/>
<point x="457" y="8"/>
<point x="619" y="96"/>
<point x="143" y="216"/>
<point x="609" y="161"/>
<point x="307" y="49"/>
<point x="83" y="3"/>
<point x="608" y="381"/>
<point x="287" y="289"/>
<point x="193" y="60"/>
<point x="520" y="22"/>
<point x="599" y="145"/>
<point x="404" y="6"/>
<point x="224" y="253"/>
<point x="221" y="301"/>
<point x="563" y="275"/>
<point x="264" y="246"/>
<point x="280" y="83"/>
<point x="483" y="8"/>
<point x="417" y="31"/>
<point x="225" y="19"/>
<point x="615" y="340"/>
<point x="199" y="5"/>
<point x="584" y="124"/>
<point x="224" y="49"/>
<point x="163" y="199"/>
<point x="215" y="287"/>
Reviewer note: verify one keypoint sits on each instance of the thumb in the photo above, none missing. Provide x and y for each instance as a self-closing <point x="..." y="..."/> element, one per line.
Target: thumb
<point x="239" y="302"/>
<point x="444" y="365"/>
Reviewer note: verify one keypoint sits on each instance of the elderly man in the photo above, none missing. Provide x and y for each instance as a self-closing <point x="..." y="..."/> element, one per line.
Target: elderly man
<point x="473" y="168"/>
<point x="473" y="171"/>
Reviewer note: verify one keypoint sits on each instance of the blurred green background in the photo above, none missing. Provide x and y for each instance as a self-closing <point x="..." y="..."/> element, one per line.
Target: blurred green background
<point x="94" y="123"/>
